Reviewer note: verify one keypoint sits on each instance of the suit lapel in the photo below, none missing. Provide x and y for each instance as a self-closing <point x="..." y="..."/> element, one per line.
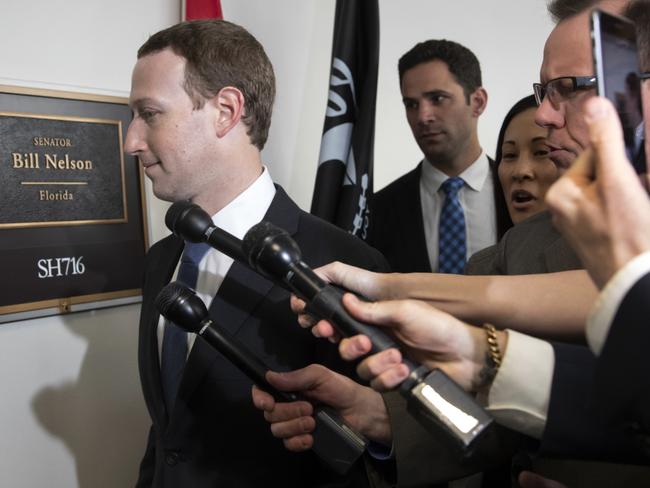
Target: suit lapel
<point x="417" y="245"/>
<point x="238" y="296"/>
<point x="157" y="278"/>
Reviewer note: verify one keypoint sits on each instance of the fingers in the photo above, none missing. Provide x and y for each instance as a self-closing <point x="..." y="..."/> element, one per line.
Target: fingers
<point x="291" y="422"/>
<point x="528" y="479"/>
<point x="606" y="137"/>
<point x="390" y="379"/>
<point x="262" y="400"/>
<point x="378" y="313"/>
<point x="300" y="380"/>
<point x="299" y="443"/>
<point x="384" y="370"/>
<point x="352" y="278"/>
<point x="288" y="412"/>
<point x="326" y="330"/>
<point x="354" y="347"/>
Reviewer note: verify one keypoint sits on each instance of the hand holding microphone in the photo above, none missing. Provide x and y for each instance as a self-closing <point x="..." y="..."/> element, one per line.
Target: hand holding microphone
<point x="436" y="400"/>
<point x="333" y="441"/>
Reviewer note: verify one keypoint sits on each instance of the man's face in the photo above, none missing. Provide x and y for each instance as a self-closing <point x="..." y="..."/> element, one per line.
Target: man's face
<point x="172" y="140"/>
<point x="441" y="120"/>
<point x="567" y="53"/>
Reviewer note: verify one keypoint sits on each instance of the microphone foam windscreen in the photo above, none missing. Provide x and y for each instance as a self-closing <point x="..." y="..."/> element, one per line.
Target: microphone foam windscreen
<point x="168" y="297"/>
<point x="253" y="241"/>
<point x="174" y="212"/>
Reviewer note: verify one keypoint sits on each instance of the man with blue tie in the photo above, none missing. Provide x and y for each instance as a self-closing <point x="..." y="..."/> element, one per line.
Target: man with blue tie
<point x="437" y="215"/>
<point x="202" y="95"/>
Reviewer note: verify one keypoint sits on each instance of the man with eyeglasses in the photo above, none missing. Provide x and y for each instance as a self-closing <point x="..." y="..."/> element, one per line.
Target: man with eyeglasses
<point x="567" y="82"/>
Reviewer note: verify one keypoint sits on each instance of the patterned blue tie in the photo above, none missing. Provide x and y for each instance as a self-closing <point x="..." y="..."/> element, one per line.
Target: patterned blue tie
<point x="452" y="247"/>
<point x="174" y="348"/>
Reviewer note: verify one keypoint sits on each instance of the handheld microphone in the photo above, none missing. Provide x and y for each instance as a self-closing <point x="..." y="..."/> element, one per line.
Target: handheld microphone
<point x="334" y="441"/>
<point x="435" y="399"/>
<point x="192" y="223"/>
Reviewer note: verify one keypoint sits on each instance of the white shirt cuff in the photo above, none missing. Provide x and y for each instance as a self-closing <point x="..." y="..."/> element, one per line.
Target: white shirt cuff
<point x="602" y="314"/>
<point x="519" y="396"/>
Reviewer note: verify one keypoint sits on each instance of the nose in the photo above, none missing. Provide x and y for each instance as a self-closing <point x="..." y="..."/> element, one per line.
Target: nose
<point x="135" y="142"/>
<point x="523" y="169"/>
<point x="426" y="113"/>
<point x="548" y="116"/>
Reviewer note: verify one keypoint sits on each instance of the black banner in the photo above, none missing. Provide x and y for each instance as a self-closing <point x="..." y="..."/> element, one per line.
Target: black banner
<point x="344" y="178"/>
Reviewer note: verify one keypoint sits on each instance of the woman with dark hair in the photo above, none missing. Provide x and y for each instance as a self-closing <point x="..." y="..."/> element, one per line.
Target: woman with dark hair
<point x="523" y="175"/>
<point x="524" y="170"/>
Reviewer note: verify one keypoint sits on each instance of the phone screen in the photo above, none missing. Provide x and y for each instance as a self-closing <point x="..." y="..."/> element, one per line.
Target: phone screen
<point x="617" y="69"/>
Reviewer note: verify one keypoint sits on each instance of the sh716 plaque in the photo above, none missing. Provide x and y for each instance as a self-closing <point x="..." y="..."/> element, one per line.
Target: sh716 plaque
<point x="73" y="230"/>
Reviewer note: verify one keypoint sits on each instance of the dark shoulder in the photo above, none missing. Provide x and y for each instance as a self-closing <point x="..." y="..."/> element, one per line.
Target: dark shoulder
<point x="390" y="192"/>
<point x="321" y="243"/>
<point x="483" y="262"/>
<point x="162" y="248"/>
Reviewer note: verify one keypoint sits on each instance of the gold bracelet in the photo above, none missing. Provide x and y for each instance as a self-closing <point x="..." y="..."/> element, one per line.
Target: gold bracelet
<point x="493" y="345"/>
<point x="492" y="361"/>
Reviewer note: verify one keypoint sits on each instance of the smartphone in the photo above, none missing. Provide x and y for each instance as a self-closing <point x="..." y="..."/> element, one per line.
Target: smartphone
<point x="616" y="63"/>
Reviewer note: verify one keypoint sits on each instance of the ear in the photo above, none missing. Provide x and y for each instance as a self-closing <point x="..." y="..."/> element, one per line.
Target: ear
<point x="229" y="104"/>
<point x="478" y="100"/>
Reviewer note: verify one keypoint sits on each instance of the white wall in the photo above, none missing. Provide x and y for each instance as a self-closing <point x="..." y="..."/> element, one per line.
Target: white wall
<point x="71" y="413"/>
<point x="71" y="408"/>
<point x="506" y="35"/>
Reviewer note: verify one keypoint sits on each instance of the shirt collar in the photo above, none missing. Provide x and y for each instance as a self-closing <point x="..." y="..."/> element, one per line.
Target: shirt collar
<point x="474" y="176"/>
<point x="248" y="208"/>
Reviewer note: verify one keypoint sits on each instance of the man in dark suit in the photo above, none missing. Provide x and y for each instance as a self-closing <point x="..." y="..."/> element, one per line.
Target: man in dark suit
<point x="202" y="94"/>
<point x="443" y="98"/>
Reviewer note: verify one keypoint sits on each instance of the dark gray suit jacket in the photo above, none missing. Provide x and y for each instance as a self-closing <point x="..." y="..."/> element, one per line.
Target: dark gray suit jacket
<point x="530" y="247"/>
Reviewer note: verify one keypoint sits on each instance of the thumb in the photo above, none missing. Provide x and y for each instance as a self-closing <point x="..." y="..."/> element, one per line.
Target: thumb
<point x="299" y="380"/>
<point x="606" y="137"/>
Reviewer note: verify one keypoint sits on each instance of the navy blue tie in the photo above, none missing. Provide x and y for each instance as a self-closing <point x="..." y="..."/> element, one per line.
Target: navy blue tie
<point x="452" y="247"/>
<point x="174" y="347"/>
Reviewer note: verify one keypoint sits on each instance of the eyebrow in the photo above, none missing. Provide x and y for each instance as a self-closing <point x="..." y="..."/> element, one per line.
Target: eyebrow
<point x="534" y="139"/>
<point x="436" y="92"/>
<point x="140" y="102"/>
<point x="428" y="94"/>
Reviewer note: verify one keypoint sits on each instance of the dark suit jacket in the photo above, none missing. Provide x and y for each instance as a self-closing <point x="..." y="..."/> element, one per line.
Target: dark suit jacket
<point x="622" y="382"/>
<point x="214" y="436"/>
<point x="600" y="407"/>
<point x="397" y="226"/>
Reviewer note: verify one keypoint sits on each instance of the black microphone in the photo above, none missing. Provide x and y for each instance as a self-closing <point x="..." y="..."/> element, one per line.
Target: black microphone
<point x="432" y="396"/>
<point x="334" y="441"/>
<point x="190" y="222"/>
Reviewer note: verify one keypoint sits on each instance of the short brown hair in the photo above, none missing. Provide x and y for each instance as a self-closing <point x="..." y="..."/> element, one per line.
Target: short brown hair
<point x="638" y="12"/>
<point x="220" y="54"/>
<point x="461" y="62"/>
<point x="563" y="9"/>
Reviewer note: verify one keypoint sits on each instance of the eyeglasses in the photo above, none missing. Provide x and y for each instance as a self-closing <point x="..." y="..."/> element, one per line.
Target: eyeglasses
<point x="645" y="75"/>
<point x="561" y="89"/>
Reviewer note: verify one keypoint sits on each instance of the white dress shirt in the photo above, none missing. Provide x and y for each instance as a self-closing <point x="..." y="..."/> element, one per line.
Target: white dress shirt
<point x="521" y="390"/>
<point x="476" y="197"/>
<point x="246" y="210"/>
<point x="610" y="298"/>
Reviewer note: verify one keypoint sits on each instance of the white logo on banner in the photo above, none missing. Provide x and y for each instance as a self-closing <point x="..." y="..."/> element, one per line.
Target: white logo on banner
<point x="336" y="144"/>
